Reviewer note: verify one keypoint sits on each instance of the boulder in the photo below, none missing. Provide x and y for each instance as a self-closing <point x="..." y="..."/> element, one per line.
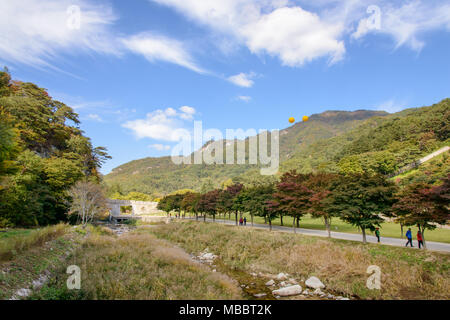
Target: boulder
<point x="318" y="291"/>
<point x="282" y="276"/>
<point x="288" y="291"/>
<point x="270" y="283"/>
<point x="314" y="283"/>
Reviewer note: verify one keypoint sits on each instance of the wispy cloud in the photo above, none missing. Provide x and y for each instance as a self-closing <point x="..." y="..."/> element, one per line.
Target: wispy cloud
<point x="244" y="98"/>
<point x="157" y="47"/>
<point x="35" y="32"/>
<point x="242" y="79"/>
<point x="164" y="125"/>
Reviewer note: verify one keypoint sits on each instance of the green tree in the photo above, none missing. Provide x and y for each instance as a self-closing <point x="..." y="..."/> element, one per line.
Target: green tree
<point x="423" y="205"/>
<point x="359" y="199"/>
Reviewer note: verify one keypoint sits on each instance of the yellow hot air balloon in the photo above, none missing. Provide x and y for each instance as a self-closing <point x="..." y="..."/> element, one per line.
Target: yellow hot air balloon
<point x="291" y="120"/>
<point x="305" y="118"/>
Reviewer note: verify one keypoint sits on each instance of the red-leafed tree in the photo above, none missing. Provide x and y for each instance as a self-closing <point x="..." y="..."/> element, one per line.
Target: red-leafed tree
<point x="293" y="196"/>
<point x="208" y="203"/>
<point x="321" y="186"/>
<point x="423" y="205"/>
<point x="226" y="199"/>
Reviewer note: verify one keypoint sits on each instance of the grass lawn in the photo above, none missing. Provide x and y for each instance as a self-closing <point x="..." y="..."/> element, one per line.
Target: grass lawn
<point x="388" y="229"/>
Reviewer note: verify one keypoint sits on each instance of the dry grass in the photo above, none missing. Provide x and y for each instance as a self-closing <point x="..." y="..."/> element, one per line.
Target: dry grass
<point x="340" y="264"/>
<point x="12" y="246"/>
<point x="138" y="266"/>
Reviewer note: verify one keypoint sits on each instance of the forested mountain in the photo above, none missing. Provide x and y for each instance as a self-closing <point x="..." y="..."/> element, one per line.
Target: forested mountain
<point x="42" y="154"/>
<point x="333" y="141"/>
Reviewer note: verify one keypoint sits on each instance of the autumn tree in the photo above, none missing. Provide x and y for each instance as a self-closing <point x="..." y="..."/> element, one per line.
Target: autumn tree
<point x="293" y="196"/>
<point x="321" y="187"/>
<point x="190" y="203"/>
<point x="208" y="203"/>
<point x="226" y="202"/>
<point x="256" y="201"/>
<point x="359" y="199"/>
<point x="423" y="205"/>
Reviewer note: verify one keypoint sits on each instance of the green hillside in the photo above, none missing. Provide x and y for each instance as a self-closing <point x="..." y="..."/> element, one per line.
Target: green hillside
<point x="160" y="175"/>
<point x="333" y="141"/>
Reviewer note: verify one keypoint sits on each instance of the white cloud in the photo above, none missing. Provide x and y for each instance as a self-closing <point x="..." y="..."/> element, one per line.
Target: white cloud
<point x="296" y="36"/>
<point x="274" y="27"/>
<point x="94" y="117"/>
<point x="391" y="106"/>
<point x="159" y="146"/>
<point x="161" y="124"/>
<point x="156" y="47"/>
<point x="35" y="32"/>
<point x="244" y="98"/>
<point x="187" y="113"/>
<point x="407" y="22"/>
<point x="242" y="79"/>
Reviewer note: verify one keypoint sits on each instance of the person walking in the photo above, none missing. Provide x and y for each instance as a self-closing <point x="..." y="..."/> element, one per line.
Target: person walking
<point x="241" y="221"/>
<point x="409" y="237"/>
<point x="245" y="221"/>
<point x="419" y="239"/>
<point x="377" y="233"/>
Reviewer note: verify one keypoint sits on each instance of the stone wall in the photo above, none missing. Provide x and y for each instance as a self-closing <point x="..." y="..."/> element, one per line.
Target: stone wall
<point x="139" y="208"/>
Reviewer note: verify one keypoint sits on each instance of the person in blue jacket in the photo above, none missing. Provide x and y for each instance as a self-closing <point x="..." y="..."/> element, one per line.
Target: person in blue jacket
<point x="409" y="237"/>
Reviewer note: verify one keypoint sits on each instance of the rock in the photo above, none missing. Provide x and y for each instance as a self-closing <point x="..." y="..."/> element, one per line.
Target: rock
<point x="253" y="274"/>
<point x="306" y="291"/>
<point x="270" y="283"/>
<point x="318" y="291"/>
<point x="330" y="296"/>
<point x="214" y="270"/>
<point x="292" y="281"/>
<point x="345" y="299"/>
<point x="260" y="295"/>
<point x="314" y="283"/>
<point x="283" y="284"/>
<point x="281" y="276"/>
<point x="288" y="291"/>
<point x="23" y="292"/>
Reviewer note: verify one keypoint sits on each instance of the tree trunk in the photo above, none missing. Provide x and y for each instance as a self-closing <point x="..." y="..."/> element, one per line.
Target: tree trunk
<point x="236" y="214"/>
<point x="327" y="225"/>
<point x="363" y="230"/>
<point x="265" y="220"/>
<point x="214" y="218"/>
<point x="204" y="217"/>
<point x="298" y="222"/>
<point x="270" y="225"/>
<point x="293" y="225"/>
<point x="281" y="219"/>
<point x="401" y="229"/>
<point x="196" y="216"/>
<point x="423" y="237"/>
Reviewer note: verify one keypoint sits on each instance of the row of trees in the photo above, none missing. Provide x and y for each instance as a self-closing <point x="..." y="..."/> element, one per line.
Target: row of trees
<point x="43" y="153"/>
<point x="362" y="200"/>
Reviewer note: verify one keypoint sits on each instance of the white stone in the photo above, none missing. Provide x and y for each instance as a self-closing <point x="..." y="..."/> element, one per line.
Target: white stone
<point x="282" y="276"/>
<point x="270" y="283"/>
<point x="315" y="283"/>
<point x="23" y="292"/>
<point x="318" y="291"/>
<point x="306" y="291"/>
<point x="288" y="291"/>
<point x="293" y="281"/>
<point x="260" y="295"/>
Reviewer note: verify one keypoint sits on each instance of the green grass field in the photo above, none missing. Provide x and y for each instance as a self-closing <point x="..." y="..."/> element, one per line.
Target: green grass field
<point x="388" y="229"/>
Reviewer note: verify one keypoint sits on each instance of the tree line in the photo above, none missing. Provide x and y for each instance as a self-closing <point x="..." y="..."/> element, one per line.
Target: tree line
<point x="363" y="200"/>
<point x="43" y="153"/>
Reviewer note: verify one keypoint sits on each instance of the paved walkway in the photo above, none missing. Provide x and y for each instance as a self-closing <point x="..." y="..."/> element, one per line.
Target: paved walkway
<point x="435" y="246"/>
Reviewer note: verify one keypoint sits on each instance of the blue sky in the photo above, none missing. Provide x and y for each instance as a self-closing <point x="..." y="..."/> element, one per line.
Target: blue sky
<point x="138" y="70"/>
